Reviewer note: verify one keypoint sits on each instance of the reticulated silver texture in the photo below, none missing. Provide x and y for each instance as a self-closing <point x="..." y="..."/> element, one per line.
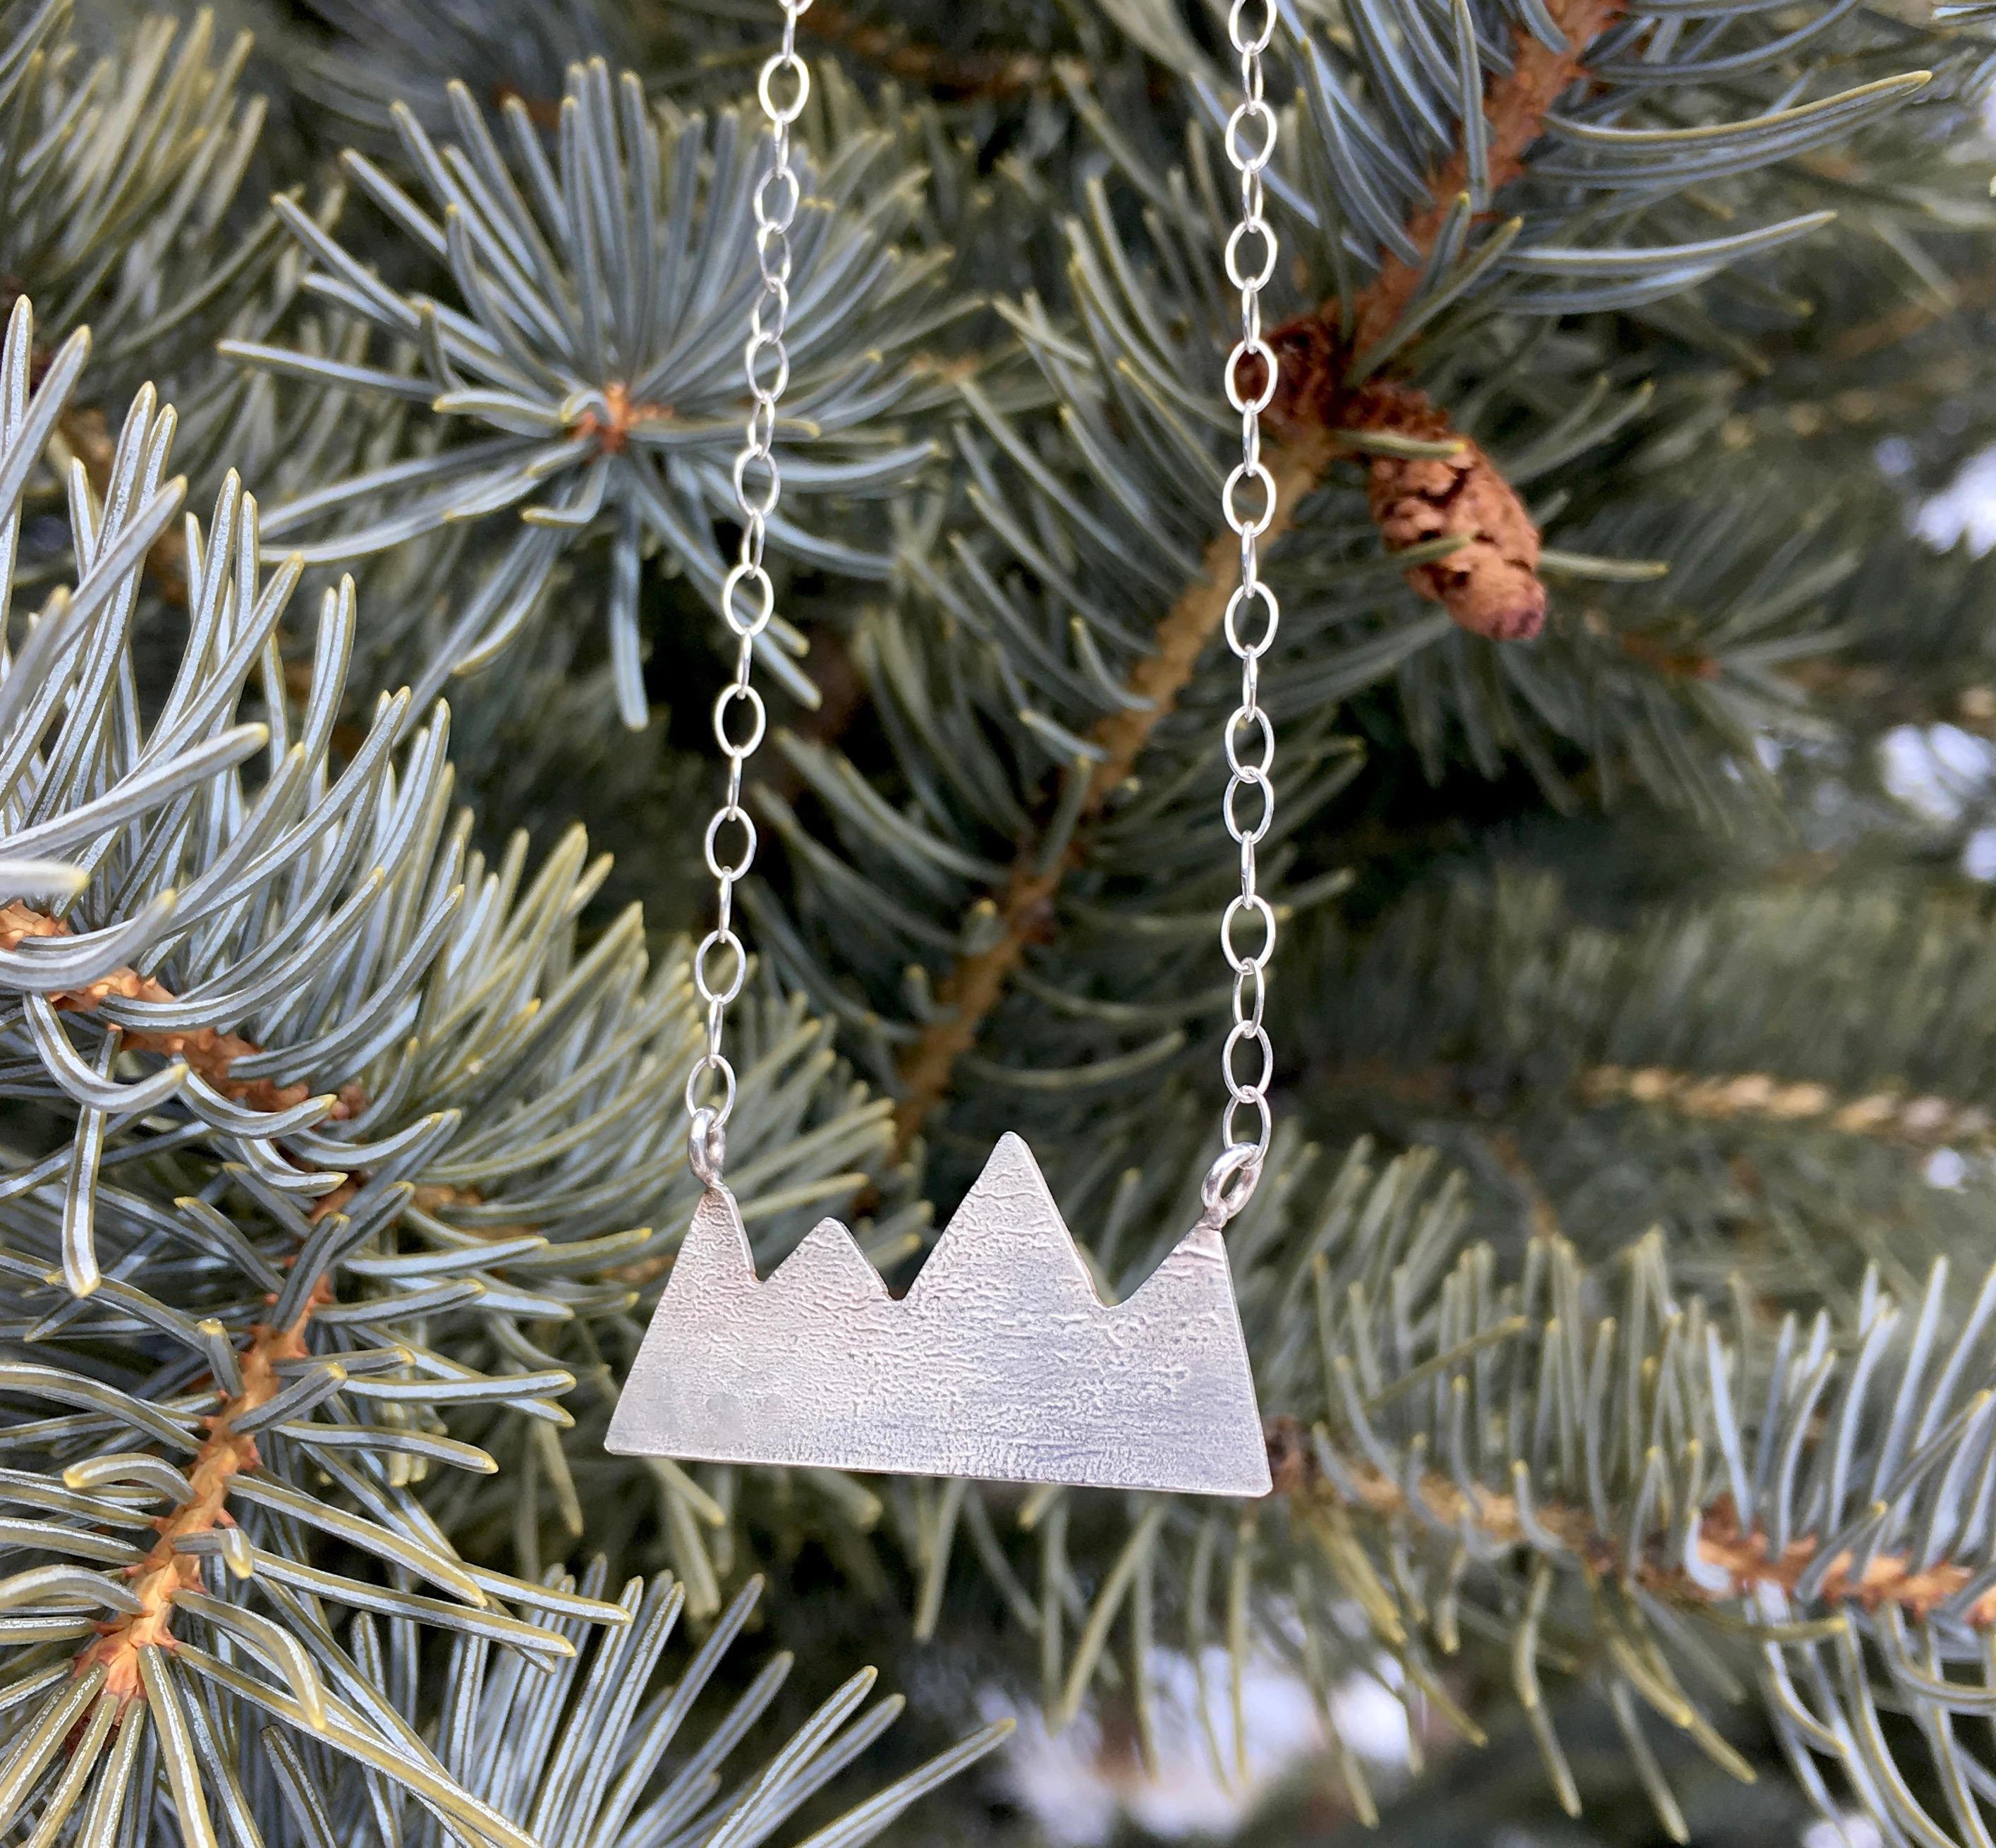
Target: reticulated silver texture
<point x="1001" y="1362"/>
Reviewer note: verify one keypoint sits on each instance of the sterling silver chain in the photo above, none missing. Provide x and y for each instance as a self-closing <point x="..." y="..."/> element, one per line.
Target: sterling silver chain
<point x="747" y="598"/>
<point x="748" y="601"/>
<point x="1249" y="739"/>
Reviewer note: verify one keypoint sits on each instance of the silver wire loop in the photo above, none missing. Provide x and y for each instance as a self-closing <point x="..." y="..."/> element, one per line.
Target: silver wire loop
<point x="1250" y="525"/>
<point x="1251" y="349"/>
<point x="725" y="869"/>
<point x="1230" y="1182"/>
<point x="717" y="1067"/>
<point x="729" y="697"/>
<point x="1247" y="158"/>
<point x="1252" y="772"/>
<point x="1236" y="238"/>
<point x="1251" y="648"/>
<point x="738" y="969"/>
<point x="1250" y="259"/>
<point x="707" y="1147"/>
<point x="748" y="596"/>
<point x="1257" y="40"/>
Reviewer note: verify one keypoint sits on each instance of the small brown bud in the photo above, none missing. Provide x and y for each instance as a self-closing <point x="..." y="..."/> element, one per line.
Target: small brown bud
<point x="1292" y="1469"/>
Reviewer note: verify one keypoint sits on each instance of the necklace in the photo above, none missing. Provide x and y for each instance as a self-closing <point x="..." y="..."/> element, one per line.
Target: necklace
<point x="1002" y="1362"/>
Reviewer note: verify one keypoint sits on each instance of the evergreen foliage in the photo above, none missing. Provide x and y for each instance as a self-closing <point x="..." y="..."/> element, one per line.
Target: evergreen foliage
<point x="1617" y="1292"/>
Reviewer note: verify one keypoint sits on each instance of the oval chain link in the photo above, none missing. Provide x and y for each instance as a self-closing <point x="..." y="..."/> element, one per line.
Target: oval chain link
<point x="1248" y="926"/>
<point x="748" y="598"/>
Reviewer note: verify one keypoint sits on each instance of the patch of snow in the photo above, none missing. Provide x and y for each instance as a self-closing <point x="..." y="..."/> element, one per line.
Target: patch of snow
<point x="1077" y="1786"/>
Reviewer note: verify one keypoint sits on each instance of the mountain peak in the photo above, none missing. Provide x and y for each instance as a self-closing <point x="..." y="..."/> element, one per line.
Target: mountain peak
<point x="1001" y="1363"/>
<point x="828" y="1267"/>
<point x="1009" y="1224"/>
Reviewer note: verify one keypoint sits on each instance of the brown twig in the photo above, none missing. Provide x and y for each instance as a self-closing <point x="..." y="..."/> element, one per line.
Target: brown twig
<point x="612" y="430"/>
<point x="958" y="76"/>
<point x="1304" y="428"/>
<point x="224" y="1453"/>
<point x="1965" y="293"/>
<point x="1025" y="906"/>
<point x="1515" y="109"/>
<point x="1745" y="1556"/>
<point x="208" y="1052"/>
<point x="1924" y="1122"/>
<point x="1655" y="655"/>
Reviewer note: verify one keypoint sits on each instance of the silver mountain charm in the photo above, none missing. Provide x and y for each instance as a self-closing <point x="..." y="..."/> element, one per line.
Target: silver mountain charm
<point x="1001" y="1362"/>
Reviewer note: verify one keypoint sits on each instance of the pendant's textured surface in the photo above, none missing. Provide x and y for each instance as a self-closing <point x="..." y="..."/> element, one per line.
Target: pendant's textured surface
<point x="1001" y="1362"/>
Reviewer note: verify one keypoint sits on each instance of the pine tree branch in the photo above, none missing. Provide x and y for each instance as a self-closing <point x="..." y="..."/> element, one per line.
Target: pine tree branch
<point x="1922" y="1123"/>
<point x="224" y="1453"/>
<point x="1747" y="1558"/>
<point x="208" y="1052"/>
<point x="1314" y="409"/>
<point x="1025" y="908"/>
<point x="84" y="432"/>
<point x="1758" y="1097"/>
<point x="1969" y="292"/>
<point x="1515" y="108"/>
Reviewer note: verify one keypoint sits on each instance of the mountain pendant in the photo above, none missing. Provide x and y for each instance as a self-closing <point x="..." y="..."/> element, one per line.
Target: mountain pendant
<point x="1001" y="1362"/>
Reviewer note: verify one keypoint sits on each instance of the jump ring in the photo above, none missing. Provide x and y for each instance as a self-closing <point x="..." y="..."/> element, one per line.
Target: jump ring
<point x="711" y="1065"/>
<point x="739" y="691"/>
<point x="1264" y="515"/>
<point x="1258" y="41"/>
<point x="721" y="870"/>
<point x="792" y="194"/>
<point x="1249" y="837"/>
<point x="1231" y="742"/>
<point x="723" y="938"/>
<point x="1266" y="1121"/>
<point x="772" y="483"/>
<point x="786" y="64"/>
<point x="1230" y="1182"/>
<point x="1256" y="592"/>
<point x="772" y="388"/>
<point x="1248" y="979"/>
<point x="1237" y="908"/>
<point x="1257" y="349"/>
<point x="759" y="619"/>
<point x="1245" y="1032"/>
<point x="1259" y="227"/>
<point x="1254" y="109"/>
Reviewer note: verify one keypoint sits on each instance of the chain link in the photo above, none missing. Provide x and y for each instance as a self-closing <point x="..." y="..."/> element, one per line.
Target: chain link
<point x="748" y="598"/>
<point x="1248" y="926"/>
